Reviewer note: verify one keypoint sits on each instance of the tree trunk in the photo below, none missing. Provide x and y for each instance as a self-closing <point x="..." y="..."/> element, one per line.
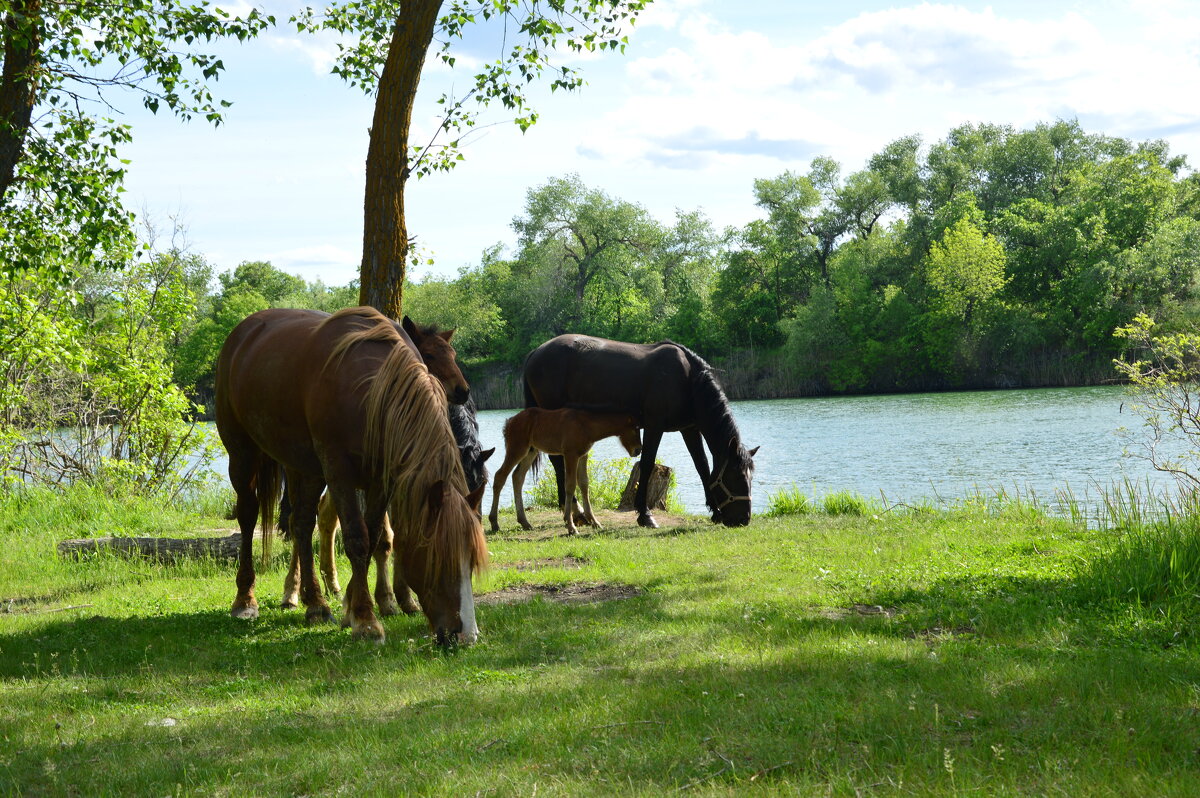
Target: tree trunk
<point x="22" y="32"/>
<point x="656" y="493"/>
<point x="165" y="549"/>
<point x="385" y="236"/>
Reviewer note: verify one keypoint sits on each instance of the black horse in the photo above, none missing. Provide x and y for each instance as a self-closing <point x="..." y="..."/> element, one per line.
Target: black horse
<point x="667" y="387"/>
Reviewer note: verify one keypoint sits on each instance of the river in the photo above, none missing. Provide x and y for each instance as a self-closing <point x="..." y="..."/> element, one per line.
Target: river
<point x="910" y="447"/>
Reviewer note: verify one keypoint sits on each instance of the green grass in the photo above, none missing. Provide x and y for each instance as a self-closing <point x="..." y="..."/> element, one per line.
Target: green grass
<point x="928" y="652"/>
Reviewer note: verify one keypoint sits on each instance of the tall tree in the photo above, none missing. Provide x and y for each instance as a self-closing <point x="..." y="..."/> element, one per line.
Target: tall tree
<point x="391" y="40"/>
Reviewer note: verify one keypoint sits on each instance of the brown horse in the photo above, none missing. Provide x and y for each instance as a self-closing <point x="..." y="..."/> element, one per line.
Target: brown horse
<point x="439" y="357"/>
<point x="466" y="435"/>
<point x="344" y="401"/>
<point x="565" y="432"/>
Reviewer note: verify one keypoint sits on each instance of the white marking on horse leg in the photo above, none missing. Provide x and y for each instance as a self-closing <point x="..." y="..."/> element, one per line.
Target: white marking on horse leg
<point x="466" y="608"/>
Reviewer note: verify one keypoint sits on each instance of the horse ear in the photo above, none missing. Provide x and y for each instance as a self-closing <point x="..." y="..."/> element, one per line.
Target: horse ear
<point x="754" y="451"/>
<point x="486" y="453"/>
<point x="411" y="328"/>
<point x="475" y="497"/>
<point x="447" y="335"/>
<point x="437" y="496"/>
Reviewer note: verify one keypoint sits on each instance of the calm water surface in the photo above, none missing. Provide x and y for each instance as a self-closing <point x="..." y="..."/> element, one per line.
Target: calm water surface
<point x="913" y="446"/>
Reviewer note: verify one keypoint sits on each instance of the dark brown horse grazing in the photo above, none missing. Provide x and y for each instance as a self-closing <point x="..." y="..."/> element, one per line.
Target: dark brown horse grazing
<point x="345" y="401"/>
<point x="667" y="387"/>
<point x="570" y="433"/>
<point x="474" y="458"/>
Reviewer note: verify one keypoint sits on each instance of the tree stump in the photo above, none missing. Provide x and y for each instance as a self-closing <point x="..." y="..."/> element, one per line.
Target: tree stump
<point x="162" y="549"/>
<point x="656" y="493"/>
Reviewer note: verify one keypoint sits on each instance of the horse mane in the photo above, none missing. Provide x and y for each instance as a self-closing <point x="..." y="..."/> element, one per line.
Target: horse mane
<point x="711" y="404"/>
<point x="409" y="443"/>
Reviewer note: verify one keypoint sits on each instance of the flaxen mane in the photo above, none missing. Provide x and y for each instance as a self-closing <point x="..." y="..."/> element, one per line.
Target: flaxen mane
<point x="411" y="445"/>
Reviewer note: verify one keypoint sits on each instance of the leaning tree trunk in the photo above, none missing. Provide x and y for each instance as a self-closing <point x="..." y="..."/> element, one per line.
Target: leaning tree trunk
<point x="22" y="33"/>
<point x="385" y="236"/>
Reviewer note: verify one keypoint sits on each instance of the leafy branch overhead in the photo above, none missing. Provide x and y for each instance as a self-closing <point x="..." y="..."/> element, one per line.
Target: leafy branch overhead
<point x="60" y="169"/>
<point x="531" y="32"/>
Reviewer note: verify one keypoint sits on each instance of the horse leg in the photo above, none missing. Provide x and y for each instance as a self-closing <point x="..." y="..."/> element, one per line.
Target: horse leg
<point x="695" y="447"/>
<point x="241" y="476"/>
<point x="291" y="583"/>
<point x="327" y="527"/>
<point x="385" y="599"/>
<point x="518" y="484"/>
<point x="560" y="472"/>
<point x="581" y="478"/>
<point x="571" y="466"/>
<point x="651" y="438"/>
<point x="306" y="493"/>
<point x="510" y="461"/>
<point x="360" y="543"/>
<point x="404" y="597"/>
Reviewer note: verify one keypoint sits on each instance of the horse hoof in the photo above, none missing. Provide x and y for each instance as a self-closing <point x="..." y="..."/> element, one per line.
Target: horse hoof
<point x="318" y="615"/>
<point x="409" y="608"/>
<point x="246" y="613"/>
<point x="647" y="520"/>
<point x="289" y="604"/>
<point x="528" y="527"/>
<point x="388" y="607"/>
<point x="371" y="631"/>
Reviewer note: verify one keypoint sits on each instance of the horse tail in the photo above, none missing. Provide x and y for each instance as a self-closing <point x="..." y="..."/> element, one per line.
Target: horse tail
<point x="529" y="400"/>
<point x="268" y="488"/>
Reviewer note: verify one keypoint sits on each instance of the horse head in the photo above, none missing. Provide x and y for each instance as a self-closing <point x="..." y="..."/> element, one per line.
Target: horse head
<point x="729" y="491"/>
<point x="631" y="438"/>
<point x="439" y="357"/>
<point x="439" y="559"/>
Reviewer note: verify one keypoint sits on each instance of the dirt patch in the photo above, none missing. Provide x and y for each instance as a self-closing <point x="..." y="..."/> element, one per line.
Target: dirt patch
<point x="935" y="634"/>
<point x="858" y="611"/>
<point x="569" y="561"/>
<point x="548" y="524"/>
<point x="563" y="594"/>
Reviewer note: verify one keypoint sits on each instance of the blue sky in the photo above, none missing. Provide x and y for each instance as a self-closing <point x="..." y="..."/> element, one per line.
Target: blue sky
<point x="709" y="95"/>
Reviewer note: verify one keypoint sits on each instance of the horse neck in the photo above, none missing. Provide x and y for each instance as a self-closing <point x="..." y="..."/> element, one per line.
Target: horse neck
<point x="714" y="418"/>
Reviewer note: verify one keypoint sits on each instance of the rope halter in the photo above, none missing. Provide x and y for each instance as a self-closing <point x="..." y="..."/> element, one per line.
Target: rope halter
<point x="718" y="482"/>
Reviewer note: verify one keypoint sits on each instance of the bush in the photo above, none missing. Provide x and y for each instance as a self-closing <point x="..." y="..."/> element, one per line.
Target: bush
<point x="845" y="502"/>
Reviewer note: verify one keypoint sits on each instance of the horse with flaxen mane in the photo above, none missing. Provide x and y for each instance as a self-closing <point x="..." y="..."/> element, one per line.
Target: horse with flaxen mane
<point x="564" y="432"/>
<point x="465" y="426"/>
<point x="344" y="401"/>
<point x="667" y="387"/>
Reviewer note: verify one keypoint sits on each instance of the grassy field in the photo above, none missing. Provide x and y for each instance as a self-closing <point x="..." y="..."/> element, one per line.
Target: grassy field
<point x="904" y="652"/>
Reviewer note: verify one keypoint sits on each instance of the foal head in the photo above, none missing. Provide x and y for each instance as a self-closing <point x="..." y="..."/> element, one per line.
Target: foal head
<point x="439" y="559"/>
<point x="631" y="438"/>
<point x="438" y="356"/>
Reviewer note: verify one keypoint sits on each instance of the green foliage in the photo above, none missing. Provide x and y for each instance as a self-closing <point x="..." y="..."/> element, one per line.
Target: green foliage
<point x="847" y="503"/>
<point x="788" y="501"/>
<point x="535" y="29"/>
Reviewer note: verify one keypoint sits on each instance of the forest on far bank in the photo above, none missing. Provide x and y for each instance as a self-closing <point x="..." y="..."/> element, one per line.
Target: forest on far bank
<point x="994" y="257"/>
<point x="991" y="258"/>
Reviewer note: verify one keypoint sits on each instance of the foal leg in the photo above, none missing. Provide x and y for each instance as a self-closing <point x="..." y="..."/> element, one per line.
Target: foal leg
<point x="306" y="493"/>
<point x="571" y="463"/>
<point x="511" y="459"/>
<point x="582" y="479"/>
<point x="561" y="473"/>
<point x="291" y="583"/>
<point x="385" y="599"/>
<point x="327" y="527"/>
<point x="518" y="483"/>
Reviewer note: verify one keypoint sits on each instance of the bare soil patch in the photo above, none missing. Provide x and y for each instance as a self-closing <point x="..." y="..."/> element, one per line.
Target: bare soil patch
<point x="569" y="561"/>
<point x="858" y="611"/>
<point x="563" y="594"/>
<point x="548" y="524"/>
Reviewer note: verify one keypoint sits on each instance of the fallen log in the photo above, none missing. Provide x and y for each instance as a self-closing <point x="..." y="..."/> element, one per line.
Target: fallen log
<point x="162" y="549"/>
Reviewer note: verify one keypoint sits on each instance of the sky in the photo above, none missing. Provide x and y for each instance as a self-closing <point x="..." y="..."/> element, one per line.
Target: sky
<point x="708" y="96"/>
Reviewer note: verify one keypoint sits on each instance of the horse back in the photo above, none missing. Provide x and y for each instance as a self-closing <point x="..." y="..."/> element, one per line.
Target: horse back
<point x="649" y="381"/>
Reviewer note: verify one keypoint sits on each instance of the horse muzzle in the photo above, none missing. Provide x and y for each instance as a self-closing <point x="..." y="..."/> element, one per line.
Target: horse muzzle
<point x="460" y="395"/>
<point x="448" y="639"/>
